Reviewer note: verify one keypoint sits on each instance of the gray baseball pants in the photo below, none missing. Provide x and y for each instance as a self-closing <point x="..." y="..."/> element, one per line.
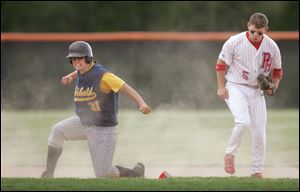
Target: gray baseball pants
<point x="101" y="142"/>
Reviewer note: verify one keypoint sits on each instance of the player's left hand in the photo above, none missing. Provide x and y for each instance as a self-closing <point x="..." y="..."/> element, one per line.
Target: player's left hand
<point x="266" y="84"/>
<point x="145" y="109"/>
<point x="67" y="80"/>
<point x="270" y="91"/>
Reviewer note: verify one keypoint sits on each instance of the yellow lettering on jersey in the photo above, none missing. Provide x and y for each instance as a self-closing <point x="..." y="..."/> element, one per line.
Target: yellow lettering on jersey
<point x="94" y="106"/>
<point x="82" y="95"/>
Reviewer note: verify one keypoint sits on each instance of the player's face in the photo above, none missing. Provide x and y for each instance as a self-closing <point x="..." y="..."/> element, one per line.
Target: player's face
<point x="79" y="64"/>
<point x="256" y="34"/>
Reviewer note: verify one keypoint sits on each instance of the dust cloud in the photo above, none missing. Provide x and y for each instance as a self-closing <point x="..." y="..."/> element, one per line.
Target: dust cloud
<point x="180" y="74"/>
<point x="176" y="79"/>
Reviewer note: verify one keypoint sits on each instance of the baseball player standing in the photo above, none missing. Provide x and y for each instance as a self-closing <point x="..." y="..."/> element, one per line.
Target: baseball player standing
<point x="96" y="101"/>
<point x="243" y="57"/>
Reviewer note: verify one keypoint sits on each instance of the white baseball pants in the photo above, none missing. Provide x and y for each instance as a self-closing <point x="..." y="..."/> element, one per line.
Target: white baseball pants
<point x="248" y="107"/>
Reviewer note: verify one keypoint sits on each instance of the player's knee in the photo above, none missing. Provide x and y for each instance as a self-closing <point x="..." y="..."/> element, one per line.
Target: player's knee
<point x="57" y="130"/>
<point x="56" y="138"/>
<point x="243" y="124"/>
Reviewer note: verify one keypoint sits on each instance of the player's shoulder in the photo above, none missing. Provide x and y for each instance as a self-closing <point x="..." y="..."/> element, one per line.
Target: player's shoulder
<point x="108" y="75"/>
<point x="238" y="36"/>
<point x="99" y="66"/>
<point x="270" y="41"/>
<point x="236" y="39"/>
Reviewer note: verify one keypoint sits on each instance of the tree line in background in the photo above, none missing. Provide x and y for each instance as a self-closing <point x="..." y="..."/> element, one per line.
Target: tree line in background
<point x="105" y="16"/>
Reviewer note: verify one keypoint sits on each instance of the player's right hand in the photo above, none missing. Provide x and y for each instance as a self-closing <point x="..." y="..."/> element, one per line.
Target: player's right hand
<point x="67" y="80"/>
<point x="223" y="93"/>
<point x="145" y="109"/>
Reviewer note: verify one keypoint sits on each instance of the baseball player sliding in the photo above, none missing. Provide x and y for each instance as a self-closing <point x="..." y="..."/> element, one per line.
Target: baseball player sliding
<point x="96" y="101"/>
<point x="245" y="61"/>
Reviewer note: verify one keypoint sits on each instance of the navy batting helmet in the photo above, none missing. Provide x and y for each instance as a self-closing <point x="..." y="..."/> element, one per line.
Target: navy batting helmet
<point x="80" y="49"/>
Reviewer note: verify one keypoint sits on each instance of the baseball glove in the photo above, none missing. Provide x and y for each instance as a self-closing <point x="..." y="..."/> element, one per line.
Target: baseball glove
<point x="265" y="84"/>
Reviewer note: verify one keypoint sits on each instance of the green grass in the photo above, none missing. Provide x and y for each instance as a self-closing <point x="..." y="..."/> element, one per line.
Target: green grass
<point x="171" y="184"/>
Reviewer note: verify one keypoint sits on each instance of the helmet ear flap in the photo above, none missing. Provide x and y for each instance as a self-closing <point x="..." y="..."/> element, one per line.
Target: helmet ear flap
<point x="88" y="59"/>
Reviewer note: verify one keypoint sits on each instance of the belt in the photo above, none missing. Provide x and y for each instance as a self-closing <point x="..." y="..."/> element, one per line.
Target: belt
<point x="251" y="86"/>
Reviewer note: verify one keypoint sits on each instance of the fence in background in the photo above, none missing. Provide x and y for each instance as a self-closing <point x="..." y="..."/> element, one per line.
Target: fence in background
<point x="167" y="68"/>
<point x="138" y="36"/>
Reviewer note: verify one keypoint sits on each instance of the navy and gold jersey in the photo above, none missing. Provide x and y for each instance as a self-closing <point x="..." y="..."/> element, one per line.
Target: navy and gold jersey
<point x="93" y="106"/>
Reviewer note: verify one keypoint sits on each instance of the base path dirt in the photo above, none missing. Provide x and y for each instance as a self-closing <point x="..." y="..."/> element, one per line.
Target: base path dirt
<point x="151" y="172"/>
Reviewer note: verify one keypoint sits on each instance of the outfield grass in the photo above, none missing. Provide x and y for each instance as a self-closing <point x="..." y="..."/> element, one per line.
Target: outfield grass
<point x="172" y="184"/>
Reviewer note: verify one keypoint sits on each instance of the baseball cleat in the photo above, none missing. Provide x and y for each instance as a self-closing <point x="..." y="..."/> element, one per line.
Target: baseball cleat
<point x="257" y="175"/>
<point x="229" y="163"/>
<point x="140" y="168"/>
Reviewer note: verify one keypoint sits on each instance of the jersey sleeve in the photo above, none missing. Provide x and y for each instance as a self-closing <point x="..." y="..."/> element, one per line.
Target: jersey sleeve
<point x="277" y="58"/>
<point x="226" y="52"/>
<point x="110" y="82"/>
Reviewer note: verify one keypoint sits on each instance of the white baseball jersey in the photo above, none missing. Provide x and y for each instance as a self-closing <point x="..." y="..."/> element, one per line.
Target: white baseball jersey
<point x="245" y="62"/>
<point x="247" y="103"/>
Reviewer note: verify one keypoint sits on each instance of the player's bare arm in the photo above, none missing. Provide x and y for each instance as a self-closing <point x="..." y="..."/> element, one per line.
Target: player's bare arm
<point x="144" y="108"/>
<point x="276" y="82"/>
<point x="68" y="79"/>
<point x="276" y="76"/>
<point x="222" y="91"/>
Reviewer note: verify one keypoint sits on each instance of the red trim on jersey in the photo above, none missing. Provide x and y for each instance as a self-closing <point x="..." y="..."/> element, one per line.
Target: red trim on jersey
<point x="277" y="73"/>
<point x="255" y="44"/>
<point x="221" y="67"/>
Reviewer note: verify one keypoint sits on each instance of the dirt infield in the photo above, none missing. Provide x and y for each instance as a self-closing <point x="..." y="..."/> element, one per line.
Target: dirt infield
<point x="151" y="172"/>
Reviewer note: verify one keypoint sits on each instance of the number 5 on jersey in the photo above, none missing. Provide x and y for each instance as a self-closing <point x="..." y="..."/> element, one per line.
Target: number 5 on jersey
<point x="245" y="75"/>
